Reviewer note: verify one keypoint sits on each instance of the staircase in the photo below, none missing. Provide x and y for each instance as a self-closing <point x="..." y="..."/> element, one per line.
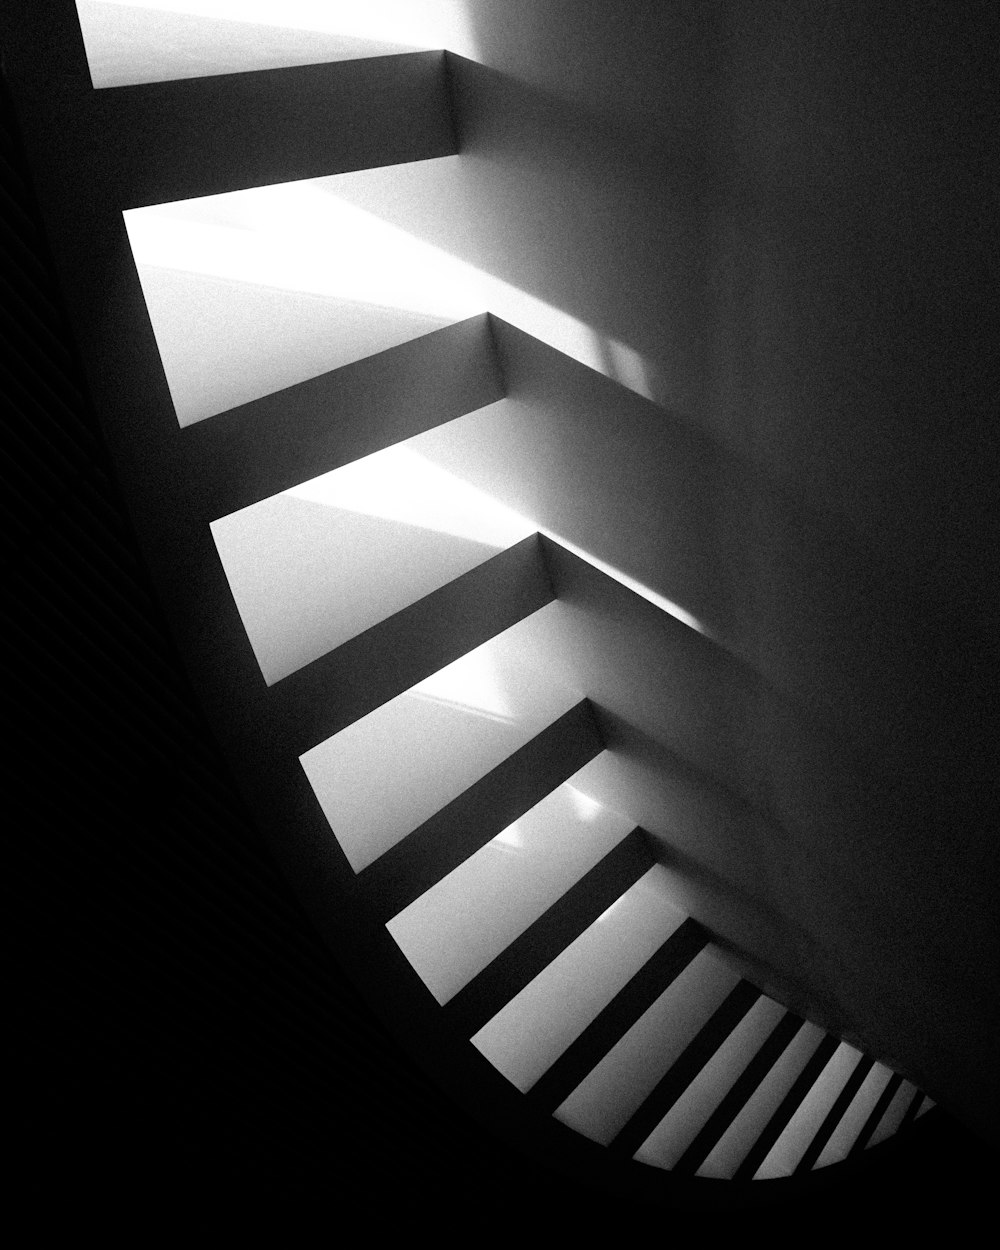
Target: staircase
<point x="419" y="668"/>
<point x="540" y="921"/>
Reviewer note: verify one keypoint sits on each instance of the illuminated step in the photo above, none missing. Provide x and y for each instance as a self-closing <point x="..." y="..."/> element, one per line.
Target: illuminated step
<point x="795" y="1046"/>
<point x="254" y="290"/>
<point x="792" y="1142"/>
<point x="204" y="136"/>
<point x="753" y="1133"/>
<point x="319" y="564"/>
<point x="566" y="1016"/>
<point x="836" y="1113"/>
<point x="693" y="1107"/>
<point x="351" y="680"/>
<point x="611" y="1094"/>
<point x="452" y="741"/>
<point x="464" y="922"/>
<point x="847" y="1131"/>
<point x="746" y="1102"/>
<point x="444" y="841"/>
<point x="295" y="434"/>
<point x="562" y="923"/>
<point x="518" y="899"/>
<point x="892" y="1117"/>
<point x="681" y="945"/>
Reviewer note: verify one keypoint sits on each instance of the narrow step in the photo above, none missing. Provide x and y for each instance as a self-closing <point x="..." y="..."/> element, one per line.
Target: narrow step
<point x="545" y="1038"/>
<point x="352" y="680"/>
<point x="516" y="896"/>
<point x="419" y="861"/>
<point x="562" y="923"/>
<point x="203" y="136"/>
<point x="791" y="1144"/>
<point x="681" y="945"/>
<point x="796" y="1046"/>
<point x="819" y="1048"/>
<point x="612" y="1093"/>
<point x="723" y="1117"/>
<point x="321" y="563"/>
<point x="683" y="1071"/>
<point x="886" y="1098"/>
<point x="841" y="1140"/>
<point x="693" y="1108"/>
<point x="836" y="1114"/>
<point x="271" y="444"/>
<point x="389" y="773"/>
<point x="895" y="1113"/>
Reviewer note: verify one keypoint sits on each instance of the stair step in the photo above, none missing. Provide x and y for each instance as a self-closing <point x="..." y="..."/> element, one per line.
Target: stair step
<point x="318" y="565"/>
<point x="846" y="1132"/>
<point x="680" y="946"/>
<point x="677" y="1080"/>
<point x="835" y="1116"/>
<point x="808" y="1055"/>
<point x="617" y="1087"/>
<point x="895" y="1113"/>
<point x="732" y="1148"/>
<point x="385" y="775"/>
<point x="533" y="949"/>
<point x="271" y="444"/>
<point x="420" y="860"/>
<point x="352" y="680"/>
<point x="792" y="1143"/>
<point x="691" y="1111"/>
<point x="885" y="1099"/>
<point x="204" y="136"/>
<point x="560" y="1022"/>
<point x="507" y="896"/>
<point x="747" y="1087"/>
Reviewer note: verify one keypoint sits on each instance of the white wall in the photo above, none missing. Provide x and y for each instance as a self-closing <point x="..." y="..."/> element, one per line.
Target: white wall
<point x="157" y="40"/>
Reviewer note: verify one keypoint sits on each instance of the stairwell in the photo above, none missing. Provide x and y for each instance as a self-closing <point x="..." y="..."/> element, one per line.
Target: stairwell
<point x="463" y="702"/>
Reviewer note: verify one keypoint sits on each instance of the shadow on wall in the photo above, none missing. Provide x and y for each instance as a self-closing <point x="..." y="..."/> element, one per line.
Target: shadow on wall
<point x="739" y="302"/>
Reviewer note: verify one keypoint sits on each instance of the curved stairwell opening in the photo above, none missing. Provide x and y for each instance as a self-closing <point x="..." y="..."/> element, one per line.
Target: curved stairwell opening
<point x="503" y="737"/>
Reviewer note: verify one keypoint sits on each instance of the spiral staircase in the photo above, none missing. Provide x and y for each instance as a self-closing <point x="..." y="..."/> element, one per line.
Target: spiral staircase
<point x="443" y="759"/>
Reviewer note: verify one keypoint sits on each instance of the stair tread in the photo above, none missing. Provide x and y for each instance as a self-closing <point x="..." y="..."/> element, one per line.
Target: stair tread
<point x="561" y="923"/>
<point x="352" y="680"/>
<point x="258" y="449"/>
<point x="631" y="994"/>
<point x="419" y="860"/>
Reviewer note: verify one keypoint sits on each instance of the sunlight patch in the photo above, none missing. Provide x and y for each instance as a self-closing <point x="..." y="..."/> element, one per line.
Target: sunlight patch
<point x="398" y="484"/>
<point x="417" y="23"/>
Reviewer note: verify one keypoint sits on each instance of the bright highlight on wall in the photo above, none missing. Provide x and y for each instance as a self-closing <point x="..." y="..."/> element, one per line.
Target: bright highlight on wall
<point x="386" y="286"/>
<point x="407" y="23"/>
<point x="309" y="237"/>
<point x="401" y="485"/>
